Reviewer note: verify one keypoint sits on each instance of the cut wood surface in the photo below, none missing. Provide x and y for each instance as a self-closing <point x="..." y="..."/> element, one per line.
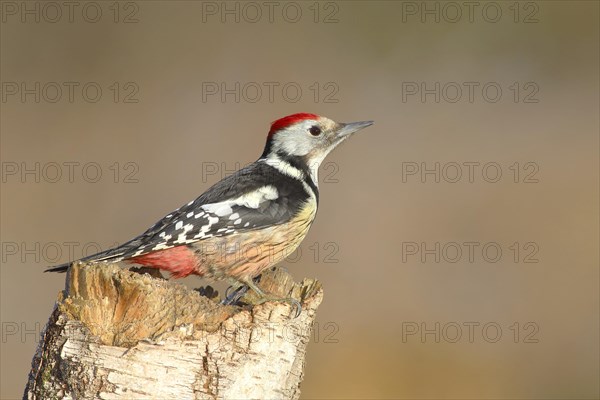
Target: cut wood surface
<point x="118" y="334"/>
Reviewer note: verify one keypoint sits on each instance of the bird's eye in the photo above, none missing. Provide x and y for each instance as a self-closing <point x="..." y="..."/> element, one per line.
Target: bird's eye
<point x="315" y="130"/>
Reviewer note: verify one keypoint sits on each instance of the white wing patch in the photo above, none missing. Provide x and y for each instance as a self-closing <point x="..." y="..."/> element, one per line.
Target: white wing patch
<point x="219" y="209"/>
<point x="249" y="200"/>
<point x="255" y="198"/>
<point x="202" y="222"/>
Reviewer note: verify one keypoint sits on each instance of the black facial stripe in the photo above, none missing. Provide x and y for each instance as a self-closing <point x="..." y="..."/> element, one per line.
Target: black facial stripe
<point x="300" y="163"/>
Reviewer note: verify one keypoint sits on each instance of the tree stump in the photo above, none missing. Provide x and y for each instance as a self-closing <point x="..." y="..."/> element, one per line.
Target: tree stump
<point x="118" y="334"/>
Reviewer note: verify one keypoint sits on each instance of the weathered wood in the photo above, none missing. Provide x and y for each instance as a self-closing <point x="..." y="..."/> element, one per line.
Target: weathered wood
<point x="117" y="334"/>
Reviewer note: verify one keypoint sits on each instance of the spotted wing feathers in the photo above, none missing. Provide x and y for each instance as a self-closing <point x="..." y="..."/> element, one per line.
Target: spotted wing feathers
<point x="250" y="199"/>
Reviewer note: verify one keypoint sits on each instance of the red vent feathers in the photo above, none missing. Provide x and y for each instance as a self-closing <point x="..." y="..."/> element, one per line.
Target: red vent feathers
<point x="284" y="122"/>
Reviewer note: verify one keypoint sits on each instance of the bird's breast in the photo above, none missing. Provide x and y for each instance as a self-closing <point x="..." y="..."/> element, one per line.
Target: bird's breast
<point x="246" y="254"/>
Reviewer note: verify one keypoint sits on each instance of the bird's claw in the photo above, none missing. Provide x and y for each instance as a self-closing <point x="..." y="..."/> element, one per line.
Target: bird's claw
<point x="296" y="306"/>
<point x="233" y="295"/>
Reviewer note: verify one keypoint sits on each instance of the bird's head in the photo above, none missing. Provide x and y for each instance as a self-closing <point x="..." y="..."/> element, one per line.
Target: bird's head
<point x="308" y="137"/>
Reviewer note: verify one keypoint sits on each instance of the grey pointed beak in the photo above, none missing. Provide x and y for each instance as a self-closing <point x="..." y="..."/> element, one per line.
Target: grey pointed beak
<point x="347" y="129"/>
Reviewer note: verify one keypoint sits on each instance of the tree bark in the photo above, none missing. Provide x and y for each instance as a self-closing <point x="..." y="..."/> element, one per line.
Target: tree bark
<point x="117" y="334"/>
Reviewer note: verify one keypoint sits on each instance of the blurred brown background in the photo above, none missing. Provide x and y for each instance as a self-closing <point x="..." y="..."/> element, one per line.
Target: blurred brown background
<point x="162" y="129"/>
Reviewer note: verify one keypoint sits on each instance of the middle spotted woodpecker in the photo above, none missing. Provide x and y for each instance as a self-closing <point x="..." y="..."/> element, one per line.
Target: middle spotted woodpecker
<point x="250" y="220"/>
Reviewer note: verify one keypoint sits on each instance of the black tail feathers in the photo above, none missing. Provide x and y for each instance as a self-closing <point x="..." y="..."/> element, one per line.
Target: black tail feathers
<point x="115" y="254"/>
<point x="59" y="268"/>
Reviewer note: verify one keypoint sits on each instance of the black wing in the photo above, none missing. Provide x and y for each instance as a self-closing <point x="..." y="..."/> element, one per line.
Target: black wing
<point x="253" y="198"/>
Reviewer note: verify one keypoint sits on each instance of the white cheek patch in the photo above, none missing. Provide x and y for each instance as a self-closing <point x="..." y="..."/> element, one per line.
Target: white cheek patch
<point x="295" y="140"/>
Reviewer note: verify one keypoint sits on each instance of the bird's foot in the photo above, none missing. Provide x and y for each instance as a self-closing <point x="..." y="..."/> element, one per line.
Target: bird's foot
<point x="236" y="292"/>
<point x="296" y="306"/>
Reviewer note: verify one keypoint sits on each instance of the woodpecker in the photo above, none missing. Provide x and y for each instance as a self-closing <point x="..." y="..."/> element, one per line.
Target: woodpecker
<point x="248" y="221"/>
